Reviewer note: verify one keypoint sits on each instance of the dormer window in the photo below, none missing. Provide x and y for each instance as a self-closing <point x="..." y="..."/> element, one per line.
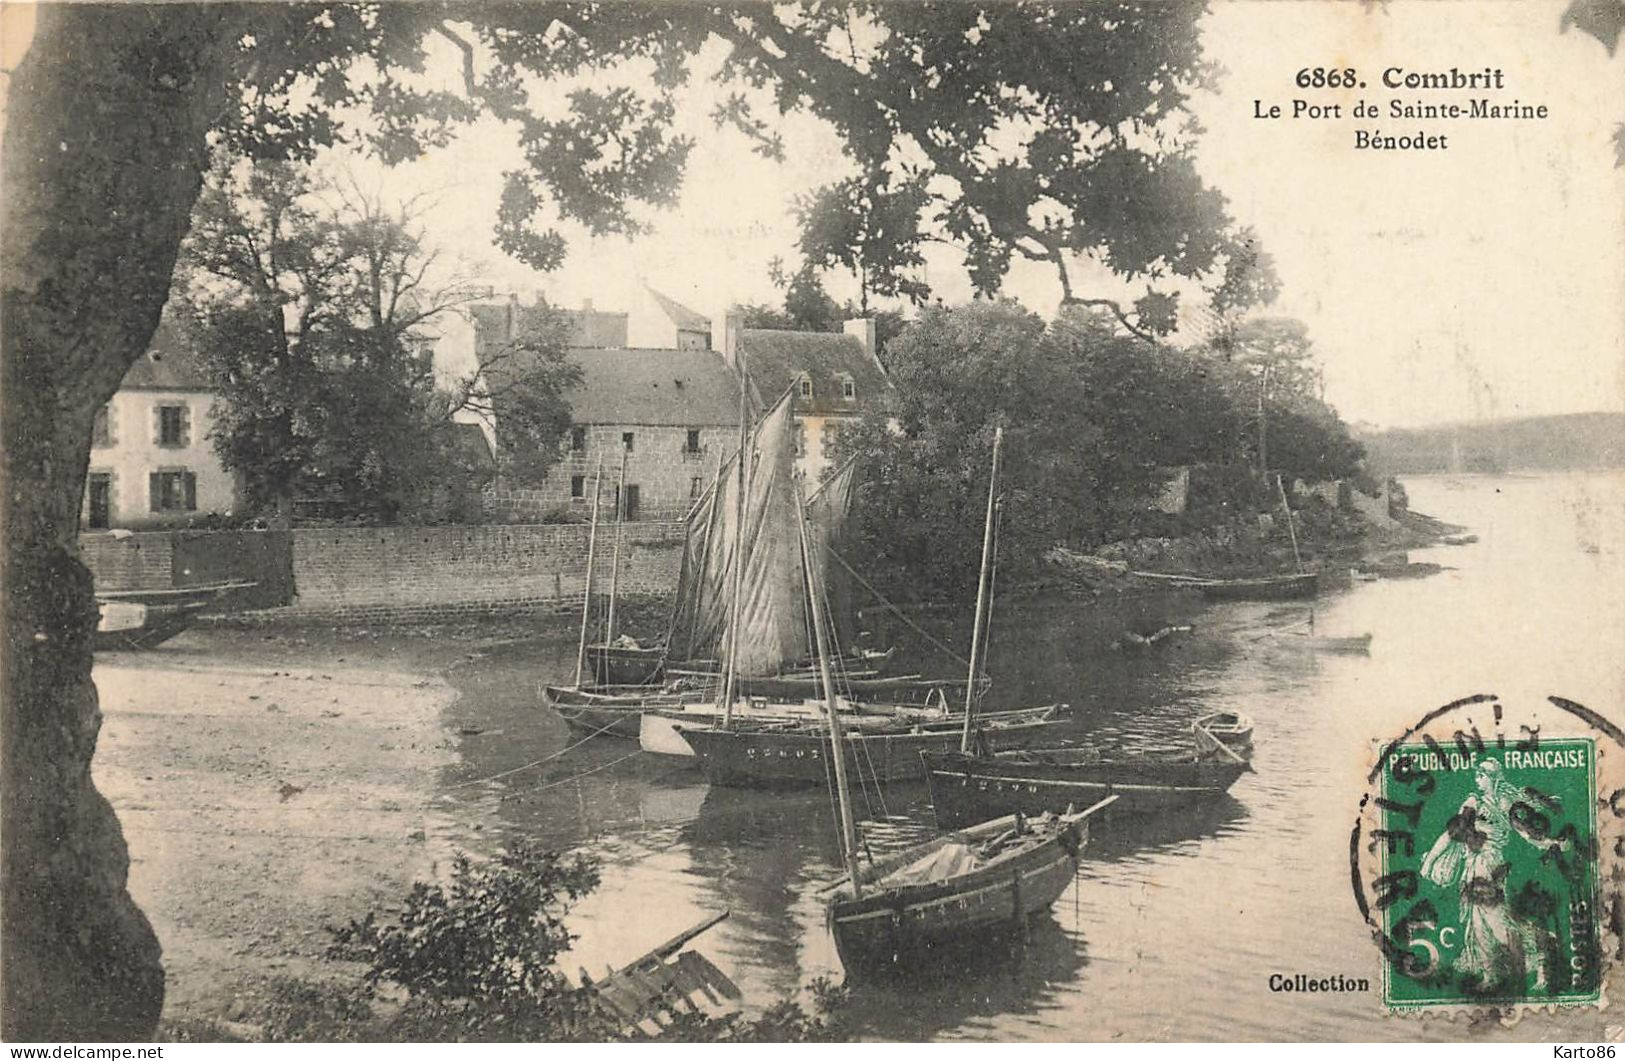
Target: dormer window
<point x="806" y="386"/>
<point x="849" y="390"/>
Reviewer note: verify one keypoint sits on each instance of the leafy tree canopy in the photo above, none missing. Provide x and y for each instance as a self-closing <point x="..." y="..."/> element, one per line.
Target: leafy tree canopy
<point x="1092" y="418"/>
<point x="313" y="319"/>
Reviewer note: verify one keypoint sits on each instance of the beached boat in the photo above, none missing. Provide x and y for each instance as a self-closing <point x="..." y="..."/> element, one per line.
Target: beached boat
<point x="1267" y="587"/>
<point x="969" y="788"/>
<point x="1272" y="587"/>
<point x="133" y="625"/>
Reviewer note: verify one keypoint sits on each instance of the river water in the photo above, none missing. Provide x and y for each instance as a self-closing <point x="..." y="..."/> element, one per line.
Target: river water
<point x="1176" y="922"/>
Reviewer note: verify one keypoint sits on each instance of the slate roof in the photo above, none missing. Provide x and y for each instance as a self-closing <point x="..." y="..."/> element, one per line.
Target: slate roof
<point x="588" y="327"/>
<point x="171" y="363"/>
<point x="776" y="359"/>
<point x="675" y="388"/>
<point x="680" y="315"/>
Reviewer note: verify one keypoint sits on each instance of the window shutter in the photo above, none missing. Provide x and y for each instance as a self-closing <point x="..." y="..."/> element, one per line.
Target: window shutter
<point x="186" y="426"/>
<point x="157" y="426"/>
<point x="155" y="490"/>
<point x="191" y="491"/>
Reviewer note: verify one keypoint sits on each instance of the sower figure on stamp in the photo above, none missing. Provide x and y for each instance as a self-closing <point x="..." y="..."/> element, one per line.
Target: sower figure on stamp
<point x="1497" y="946"/>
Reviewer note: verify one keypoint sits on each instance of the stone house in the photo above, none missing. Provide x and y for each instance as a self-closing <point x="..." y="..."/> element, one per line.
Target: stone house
<point x="672" y="414"/>
<point x="835" y="378"/>
<point x="151" y="462"/>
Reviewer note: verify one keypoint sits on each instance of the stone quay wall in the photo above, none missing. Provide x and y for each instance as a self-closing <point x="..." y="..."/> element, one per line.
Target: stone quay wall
<point x="406" y="574"/>
<point x="144" y="560"/>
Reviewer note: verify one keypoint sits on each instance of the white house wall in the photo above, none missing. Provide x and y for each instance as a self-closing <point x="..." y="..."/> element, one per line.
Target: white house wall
<point x="134" y="453"/>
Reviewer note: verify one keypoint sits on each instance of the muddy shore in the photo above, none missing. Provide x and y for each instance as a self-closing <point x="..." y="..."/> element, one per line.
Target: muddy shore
<point x="270" y="785"/>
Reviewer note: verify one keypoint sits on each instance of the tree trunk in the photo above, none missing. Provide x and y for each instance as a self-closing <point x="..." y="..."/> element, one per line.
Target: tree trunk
<point x="103" y="157"/>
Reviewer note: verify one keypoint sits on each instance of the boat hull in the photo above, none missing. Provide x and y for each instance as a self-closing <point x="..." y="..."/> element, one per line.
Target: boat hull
<point x="1284" y="587"/>
<point x="158" y="624"/>
<point x="898" y="928"/>
<point x="772" y="759"/>
<point x="625" y="665"/>
<point x="966" y="788"/>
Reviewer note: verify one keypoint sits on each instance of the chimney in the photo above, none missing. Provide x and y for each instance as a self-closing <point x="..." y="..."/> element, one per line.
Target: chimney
<point x="586" y="305"/>
<point x="863" y="330"/>
<point x="726" y="330"/>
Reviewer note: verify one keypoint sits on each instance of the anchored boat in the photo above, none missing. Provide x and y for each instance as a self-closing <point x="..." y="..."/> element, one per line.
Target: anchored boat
<point x="969" y="788"/>
<point x="792" y="753"/>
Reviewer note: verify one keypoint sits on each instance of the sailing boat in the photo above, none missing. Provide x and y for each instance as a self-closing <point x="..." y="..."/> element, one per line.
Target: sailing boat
<point x="987" y="880"/>
<point x="740" y="598"/>
<point x="780" y="752"/>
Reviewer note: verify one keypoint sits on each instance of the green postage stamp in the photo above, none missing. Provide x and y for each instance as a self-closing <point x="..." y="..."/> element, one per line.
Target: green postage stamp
<point x="1489" y="890"/>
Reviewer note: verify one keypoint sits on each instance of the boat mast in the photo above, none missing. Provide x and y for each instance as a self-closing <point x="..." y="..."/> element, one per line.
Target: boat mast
<point x="837" y="744"/>
<point x="729" y="671"/>
<point x="586" y="598"/>
<point x="615" y="563"/>
<point x="982" y="589"/>
<point x="1292" y="531"/>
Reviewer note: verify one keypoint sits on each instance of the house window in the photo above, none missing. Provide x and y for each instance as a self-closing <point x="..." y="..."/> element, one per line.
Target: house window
<point x="172" y="426"/>
<point x="172" y="491"/>
<point x="692" y="445"/>
<point x="849" y="390"/>
<point x="99" y="500"/>
<point x="626" y="441"/>
<point x="806" y="386"/>
<point x="696" y="486"/>
<point x="101" y="429"/>
<point x="578" y="486"/>
<point x="578" y="439"/>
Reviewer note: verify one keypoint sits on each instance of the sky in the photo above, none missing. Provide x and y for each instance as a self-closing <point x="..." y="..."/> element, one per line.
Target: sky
<point x="1485" y="280"/>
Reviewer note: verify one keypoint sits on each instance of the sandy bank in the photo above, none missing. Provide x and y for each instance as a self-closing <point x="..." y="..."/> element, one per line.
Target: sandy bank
<point x="268" y="787"/>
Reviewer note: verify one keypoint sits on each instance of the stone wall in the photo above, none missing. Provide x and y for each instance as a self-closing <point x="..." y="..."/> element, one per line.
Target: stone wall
<point x="125" y="561"/>
<point x="667" y="474"/>
<point x="421" y="573"/>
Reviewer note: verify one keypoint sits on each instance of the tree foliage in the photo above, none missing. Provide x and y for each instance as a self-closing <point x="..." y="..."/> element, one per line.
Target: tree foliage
<point x="1042" y="131"/>
<point x="1092" y="419"/>
<point x="478" y="958"/>
<point x="316" y="321"/>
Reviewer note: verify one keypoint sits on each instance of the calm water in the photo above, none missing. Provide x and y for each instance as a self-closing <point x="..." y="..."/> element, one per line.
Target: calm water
<point x="1176" y="922"/>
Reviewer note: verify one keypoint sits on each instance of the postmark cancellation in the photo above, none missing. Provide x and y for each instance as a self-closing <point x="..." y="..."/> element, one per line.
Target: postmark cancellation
<point x="1486" y="859"/>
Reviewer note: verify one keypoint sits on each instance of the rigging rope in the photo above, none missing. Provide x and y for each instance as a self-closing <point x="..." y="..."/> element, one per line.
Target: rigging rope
<point x="538" y="762"/>
<point x="578" y="777"/>
<point x="910" y="623"/>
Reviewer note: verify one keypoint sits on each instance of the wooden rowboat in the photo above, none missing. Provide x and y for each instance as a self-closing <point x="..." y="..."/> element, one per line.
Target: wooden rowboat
<point x="988" y="880"/>
<point x="131" y="625"/>
<point x="1268" y="587"/>
<point x="1277" y="587"/>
